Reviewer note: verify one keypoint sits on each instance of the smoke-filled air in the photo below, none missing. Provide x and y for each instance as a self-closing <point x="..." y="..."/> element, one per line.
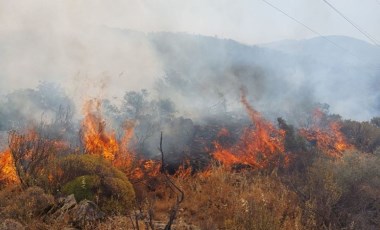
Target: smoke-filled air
<point x="172" y="114"/>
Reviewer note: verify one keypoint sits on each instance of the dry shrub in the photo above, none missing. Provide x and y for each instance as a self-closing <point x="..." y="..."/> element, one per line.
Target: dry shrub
<point x="25" y="206"/>
<point x="242" y="200"/>
<point x="342" y="193"/>
<point x="363" y="135"/>
<point x="321" y="194"/>
<point x="359" y="176"/>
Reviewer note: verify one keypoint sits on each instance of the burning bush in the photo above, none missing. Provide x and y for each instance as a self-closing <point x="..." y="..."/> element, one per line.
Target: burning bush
<point x="7" y="169"/>
<point x="259" y="147"/>
<point x="94" y="178"/>
<point x="267" y="177"/>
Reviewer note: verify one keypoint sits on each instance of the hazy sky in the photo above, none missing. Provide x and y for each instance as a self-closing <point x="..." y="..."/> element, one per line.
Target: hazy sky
<point x="248" y="21"/>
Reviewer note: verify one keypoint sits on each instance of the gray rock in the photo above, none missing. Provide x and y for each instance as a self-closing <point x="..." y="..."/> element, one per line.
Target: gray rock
<point x="85" y="213"/>
<point x="60" y="212"/>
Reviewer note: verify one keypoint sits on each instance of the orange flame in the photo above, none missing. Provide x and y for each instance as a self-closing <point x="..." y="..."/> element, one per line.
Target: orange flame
<point x="125" y="157"/>
<point x="258" y="147"/>
<point x="8" y="173"/>
<point x="329" y="139"/>
<point x="96" y="139"/>
<point x="146" y="169"/>
<point x="184" y="170"/>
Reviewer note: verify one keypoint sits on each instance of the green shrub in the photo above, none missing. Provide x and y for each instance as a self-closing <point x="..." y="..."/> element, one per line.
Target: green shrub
<point x="76" y="165"/>
<point x="119" y="192"/>
<point x="83" y="187"/>
<point x="94" y="178"/>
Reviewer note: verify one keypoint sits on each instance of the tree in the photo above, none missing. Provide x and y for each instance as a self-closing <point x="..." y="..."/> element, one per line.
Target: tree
<point x="31" y="155"/>
<point x="376" y="121"/>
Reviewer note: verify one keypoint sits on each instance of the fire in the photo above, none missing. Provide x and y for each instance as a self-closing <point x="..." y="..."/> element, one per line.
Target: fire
<point x="257" y="147"/>
<point x="98" y="140"/>
<point x="184" y="170"/>
<point x="328" y="138"/>
<point x="125" y="157"/>
<point x="8" y="173"/>
<point x="146" y="169"/>
<point x="95" y="136"/>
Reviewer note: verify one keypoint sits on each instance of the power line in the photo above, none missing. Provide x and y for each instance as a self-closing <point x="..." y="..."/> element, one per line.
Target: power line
<point x="304" y="25"/>
<point x="352" y="23"/>
<point x="315" y="32"/>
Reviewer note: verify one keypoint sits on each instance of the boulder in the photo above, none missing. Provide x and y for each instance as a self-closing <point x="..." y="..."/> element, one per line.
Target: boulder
<point x="60" y="212"/>
<point x="85" y="214"/>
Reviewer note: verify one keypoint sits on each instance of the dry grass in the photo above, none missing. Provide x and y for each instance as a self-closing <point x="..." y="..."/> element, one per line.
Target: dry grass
<point x="227" y="200"/>
<point x="330" y="194"/>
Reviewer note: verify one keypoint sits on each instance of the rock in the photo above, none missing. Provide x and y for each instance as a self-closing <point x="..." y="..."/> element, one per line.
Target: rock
<point x="10" y="224"/>
<point x="85" y="214"/>
<point x="68" y="202"/>
<point x="60" y="212"/>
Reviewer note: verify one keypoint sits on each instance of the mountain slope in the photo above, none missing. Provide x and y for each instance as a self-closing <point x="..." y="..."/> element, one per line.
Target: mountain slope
<point x="281" y="77"/>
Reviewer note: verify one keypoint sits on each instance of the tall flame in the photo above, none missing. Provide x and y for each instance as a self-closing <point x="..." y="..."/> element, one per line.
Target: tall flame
<point x="95" y="136"/>
<point x="257" y="147"/>
<point x="125" y="157"/>
<point x="7" y="168"/>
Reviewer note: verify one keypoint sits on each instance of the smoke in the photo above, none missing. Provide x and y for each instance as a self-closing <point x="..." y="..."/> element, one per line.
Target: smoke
<point x="52" y="41"/>
<point x="113" y="50"/>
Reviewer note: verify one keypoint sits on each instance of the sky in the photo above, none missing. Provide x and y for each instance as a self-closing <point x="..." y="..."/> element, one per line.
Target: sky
<point x="247" y="21"/>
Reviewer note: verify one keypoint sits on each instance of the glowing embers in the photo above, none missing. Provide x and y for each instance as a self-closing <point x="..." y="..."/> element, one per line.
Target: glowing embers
<point x="145" y="169"/>
<point x="326" y="135"/>
<point x="259" y="146"/>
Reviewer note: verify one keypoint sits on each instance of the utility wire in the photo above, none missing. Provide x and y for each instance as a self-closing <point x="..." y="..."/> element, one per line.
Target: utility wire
<point x="353" y="24"/>
<point x="304" y="25"/>
<point x="316" y="32"/>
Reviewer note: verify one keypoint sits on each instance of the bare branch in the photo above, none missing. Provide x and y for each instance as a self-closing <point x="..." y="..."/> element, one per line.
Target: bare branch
<point x="173" y="186"/>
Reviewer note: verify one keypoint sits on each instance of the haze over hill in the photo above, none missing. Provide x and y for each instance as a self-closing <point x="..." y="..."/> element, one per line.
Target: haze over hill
<point x="202" y="75"/>
<point x="283" y="78"/>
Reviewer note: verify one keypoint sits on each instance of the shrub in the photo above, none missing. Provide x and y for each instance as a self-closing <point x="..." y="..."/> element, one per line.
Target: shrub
<point x="244" y="200"/>
<point x="24" y="205"/>
<point x="94" y="178"/>
<point x="321" y="194"/>
<point x="83" y="187"/>
<point x="363" y="135"/>
<point x="359" y="176"/>
<point x="119" y="192"/>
